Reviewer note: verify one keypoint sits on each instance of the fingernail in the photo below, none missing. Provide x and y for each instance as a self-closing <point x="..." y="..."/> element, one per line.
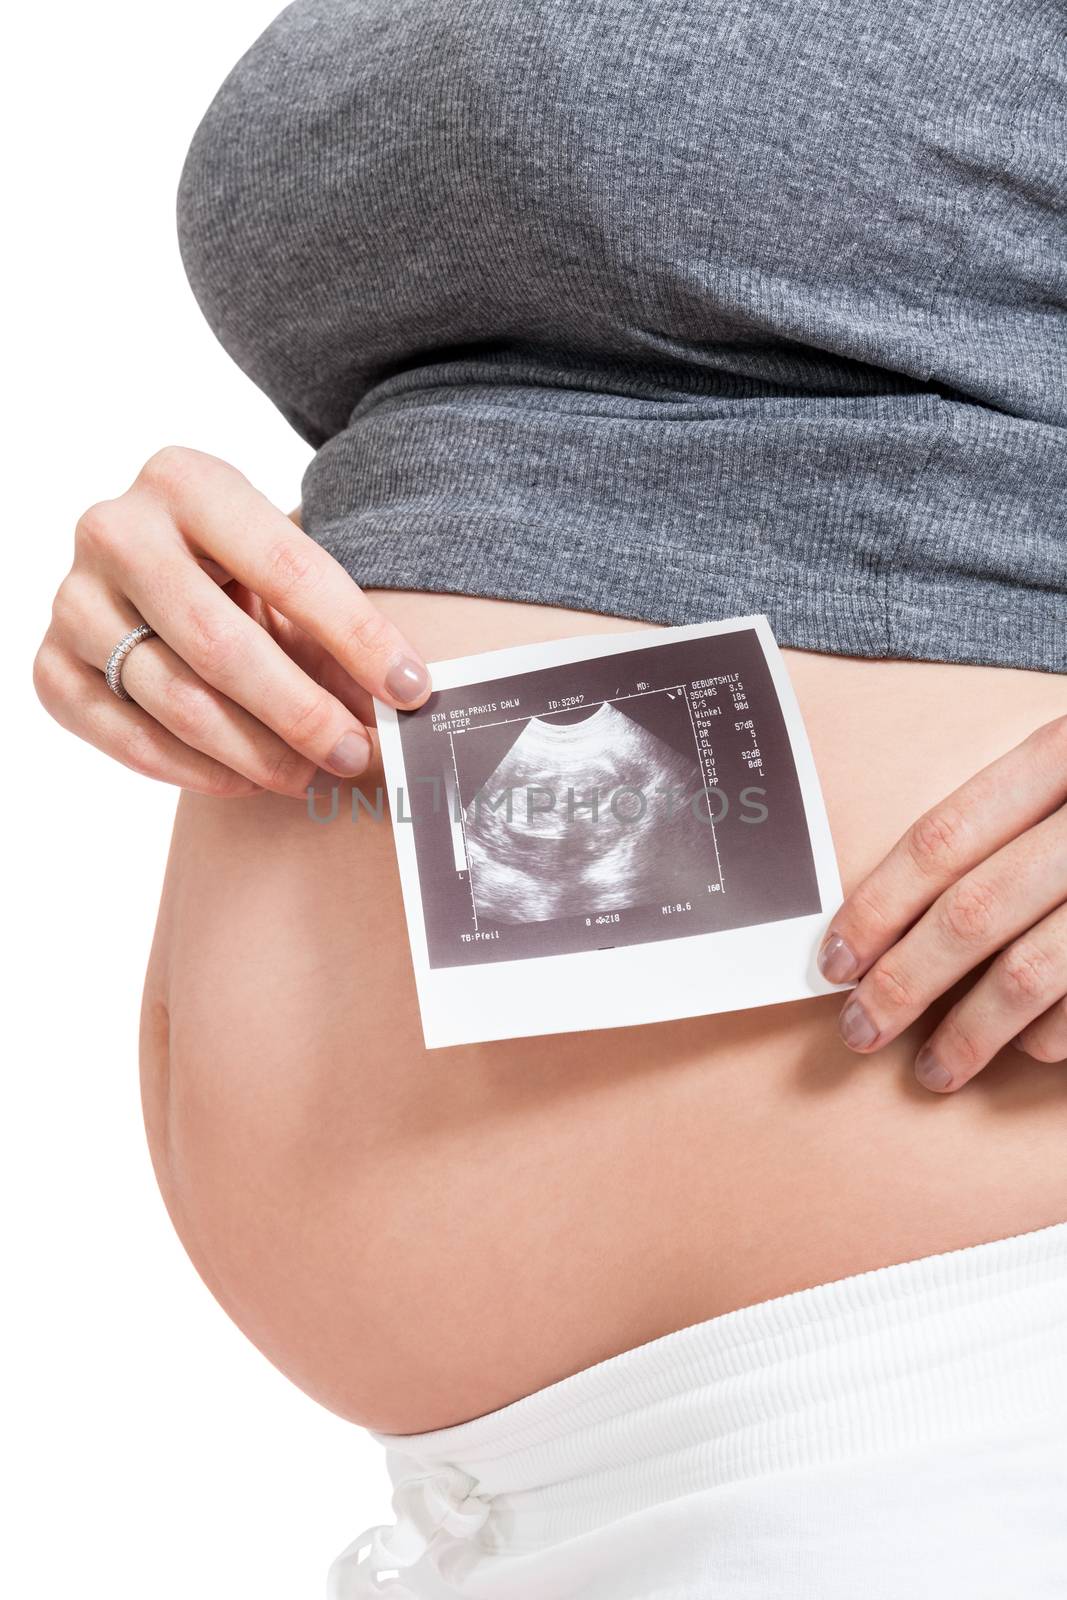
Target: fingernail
<point x="929" y="1070"/>
<point x="856" y="1027"/>
<point x="350" y="756"/>
<point x="836" y="961"/>
<point x="407" y="679"/>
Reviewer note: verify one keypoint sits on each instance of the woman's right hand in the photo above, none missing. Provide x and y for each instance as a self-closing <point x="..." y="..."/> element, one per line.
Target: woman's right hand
<point x="267" y="651"/>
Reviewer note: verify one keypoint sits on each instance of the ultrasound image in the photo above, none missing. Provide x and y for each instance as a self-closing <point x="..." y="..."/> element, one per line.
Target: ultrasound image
<point x="650" y="839"/>
<point x="654" y="734"/>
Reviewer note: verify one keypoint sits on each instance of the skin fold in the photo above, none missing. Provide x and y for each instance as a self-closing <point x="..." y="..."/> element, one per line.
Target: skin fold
<point x="417" y="1237"/>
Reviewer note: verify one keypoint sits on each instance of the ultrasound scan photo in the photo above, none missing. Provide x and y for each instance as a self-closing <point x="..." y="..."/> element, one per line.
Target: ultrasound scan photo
<point x="596" y="801"/>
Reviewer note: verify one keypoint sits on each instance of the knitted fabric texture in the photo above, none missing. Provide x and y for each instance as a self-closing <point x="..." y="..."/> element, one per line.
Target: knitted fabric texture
<point x="670" y="311"/>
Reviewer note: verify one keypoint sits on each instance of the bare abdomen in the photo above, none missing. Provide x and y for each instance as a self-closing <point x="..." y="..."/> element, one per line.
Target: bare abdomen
<point x="417" y="1238"/>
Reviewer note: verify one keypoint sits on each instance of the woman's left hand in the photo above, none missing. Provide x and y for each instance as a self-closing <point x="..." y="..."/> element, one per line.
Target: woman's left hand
<point x="983" y="874"/>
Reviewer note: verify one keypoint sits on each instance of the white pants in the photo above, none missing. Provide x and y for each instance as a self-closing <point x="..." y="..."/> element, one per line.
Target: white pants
<point x="897" y="1435"/>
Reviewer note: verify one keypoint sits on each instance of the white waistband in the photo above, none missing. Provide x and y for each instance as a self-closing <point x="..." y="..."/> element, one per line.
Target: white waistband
<point x="889" y="1360"/>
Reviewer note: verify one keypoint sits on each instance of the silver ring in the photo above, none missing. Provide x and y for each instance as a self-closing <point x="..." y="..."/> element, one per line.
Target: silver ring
<point x="113" y="670"/>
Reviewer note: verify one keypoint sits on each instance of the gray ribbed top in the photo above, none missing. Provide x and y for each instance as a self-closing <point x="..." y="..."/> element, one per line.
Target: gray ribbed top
<point x="669" y="310"/>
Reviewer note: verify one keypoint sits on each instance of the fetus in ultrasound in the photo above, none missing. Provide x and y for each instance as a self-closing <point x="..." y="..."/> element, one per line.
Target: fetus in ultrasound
<point x="587" y="817"/>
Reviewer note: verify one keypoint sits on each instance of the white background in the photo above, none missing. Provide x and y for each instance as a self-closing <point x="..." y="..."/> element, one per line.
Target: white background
<point x="152" y="1452"/>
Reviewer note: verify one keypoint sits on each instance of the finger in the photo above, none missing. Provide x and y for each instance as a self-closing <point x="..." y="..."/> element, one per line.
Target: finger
<point x="321" y="666"/>
<point x="1046" y="1039"/>
<point x="76" y="695"/>
<point x="92" y="618"/>
<point x="1018" y="987"/>
<point x="1003" y="800"/>
<point x="226" y="650"/>
<point x="308" y="654"/>
<point x="264" y="549"/>
<point x="169" y="690"/>
<point x="971" y="921"/>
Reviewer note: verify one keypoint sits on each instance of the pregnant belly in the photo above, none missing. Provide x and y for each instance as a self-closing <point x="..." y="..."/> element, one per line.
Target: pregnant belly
<point x="416" y="1238"/>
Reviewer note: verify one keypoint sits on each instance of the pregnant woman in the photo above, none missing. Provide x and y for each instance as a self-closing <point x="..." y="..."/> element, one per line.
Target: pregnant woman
<point x="667" y="313"/>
